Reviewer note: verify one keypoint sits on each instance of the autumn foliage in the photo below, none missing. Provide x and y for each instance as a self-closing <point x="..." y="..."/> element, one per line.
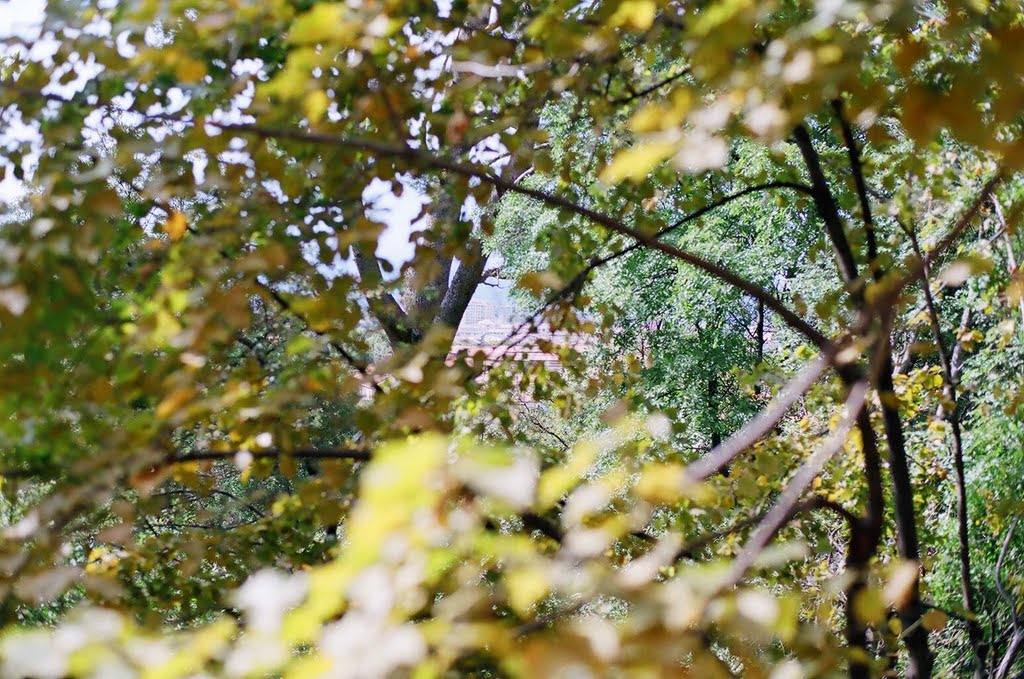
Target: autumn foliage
<point x="767" y="249"/>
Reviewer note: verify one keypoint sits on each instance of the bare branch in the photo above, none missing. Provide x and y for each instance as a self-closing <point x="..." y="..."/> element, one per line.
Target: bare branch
<point x="639" y="94"/>
<point x="354" y="453"/>
<point x="787" y="502"/>
<point x="857" y="167"/>
<point x="760" y="425"/>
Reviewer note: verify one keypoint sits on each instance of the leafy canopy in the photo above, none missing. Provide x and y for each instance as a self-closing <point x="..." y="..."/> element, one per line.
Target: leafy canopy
<point x="762" y="418"/>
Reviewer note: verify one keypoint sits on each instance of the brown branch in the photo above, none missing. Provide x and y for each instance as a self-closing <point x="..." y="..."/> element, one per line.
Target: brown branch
<point x="360" y="366"/>
<point x="1000" y="583"/>
<point x="798" y="484"/>
<point x="215" y="491"/>
<point x="577" y="281"/>
<point x="545" y="526"/>
<point x="501" y="184"/>
<point x="690" y="549"/>
<point x="826" y="205"/>
<point x="760" y="425"/>
<point x="353" y="453"/>
<point x="639" y="94"/>
<point x="857" y="167"/>
<point x="426" y="159"/>
<point x="1017" y="639"/>
<point x="1011" y="257"/>
<point x="952" y="415"/>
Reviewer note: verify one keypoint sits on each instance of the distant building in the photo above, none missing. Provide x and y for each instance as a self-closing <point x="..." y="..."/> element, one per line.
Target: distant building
<point x="485" y="322"/>
<point x="478" y="311"/>
<point x="494" y="354"/>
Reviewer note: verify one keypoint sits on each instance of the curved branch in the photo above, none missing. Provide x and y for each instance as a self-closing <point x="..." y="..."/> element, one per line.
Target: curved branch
<point x="796" y="186"/>
<point x="651" y="241"/>
<point x="857" y="167"/>
<point x="622" y="101"/>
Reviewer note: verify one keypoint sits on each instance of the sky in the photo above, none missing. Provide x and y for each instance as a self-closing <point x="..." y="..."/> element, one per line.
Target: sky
<point x="21" y="20"/>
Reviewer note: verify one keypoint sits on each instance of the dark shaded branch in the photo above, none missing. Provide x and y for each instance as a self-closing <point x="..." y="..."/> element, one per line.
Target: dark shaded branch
<point x="767" y="186"/>
<point x="304" y="453"/>
<point x="697" y="214"/>
<point x="952" y="415"/>
<point x="916" y="638"/>
<point x="826" y="205"/>
<point x="857" y="167"/>
<point x="798" y="484"/>
<point x="543" y="525"/>
<point x="215" y="491"/>
<point x="639" y="94"/>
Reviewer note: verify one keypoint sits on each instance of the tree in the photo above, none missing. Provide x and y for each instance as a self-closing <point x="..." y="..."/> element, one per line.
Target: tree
<point x="237" y="443"/>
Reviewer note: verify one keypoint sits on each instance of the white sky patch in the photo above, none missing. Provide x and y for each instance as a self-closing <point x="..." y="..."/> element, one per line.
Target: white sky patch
<point x="11" y="190"/>
<point x="395" y="244"/>
<point x="21" y="18"/>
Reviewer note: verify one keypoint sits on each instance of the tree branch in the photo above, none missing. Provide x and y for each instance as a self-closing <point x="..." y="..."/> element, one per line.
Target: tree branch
<point x="426" y="159"/>
<point x="784" y="506"/>
<point x="639" y="94"/>
<point x="857" y="167"/>
<point x="354" y="453"/>
<point x="952" y="415"/>
<point x="826" y="206"/>
<point x="760" y="425"/>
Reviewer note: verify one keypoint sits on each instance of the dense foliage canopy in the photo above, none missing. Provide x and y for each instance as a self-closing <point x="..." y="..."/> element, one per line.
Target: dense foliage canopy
<point x="767" y="249"/>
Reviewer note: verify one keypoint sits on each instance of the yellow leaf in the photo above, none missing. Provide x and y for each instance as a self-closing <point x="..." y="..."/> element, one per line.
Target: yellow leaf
<point x="635" y="14"/>
<point x="190" y="70"/>
<point x="325" y="22"/>
<point x="537" y="281"/>
<point x="636" y="162"/>
<point x="868" y="606"/>
<point x="934" y="620"/>
<point x="290" y="82"/>
<point x="901" y="584"/>
<point x="557" y="481"/>
<point x="174" y="401"/>
<point x="206" y="643"/>
<point x="661" y="483"/>
<point x="315" y="105"/>
<point x="526" y="587"/>
<point x="718" y="14"/>
<point x="176" y="225"/>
